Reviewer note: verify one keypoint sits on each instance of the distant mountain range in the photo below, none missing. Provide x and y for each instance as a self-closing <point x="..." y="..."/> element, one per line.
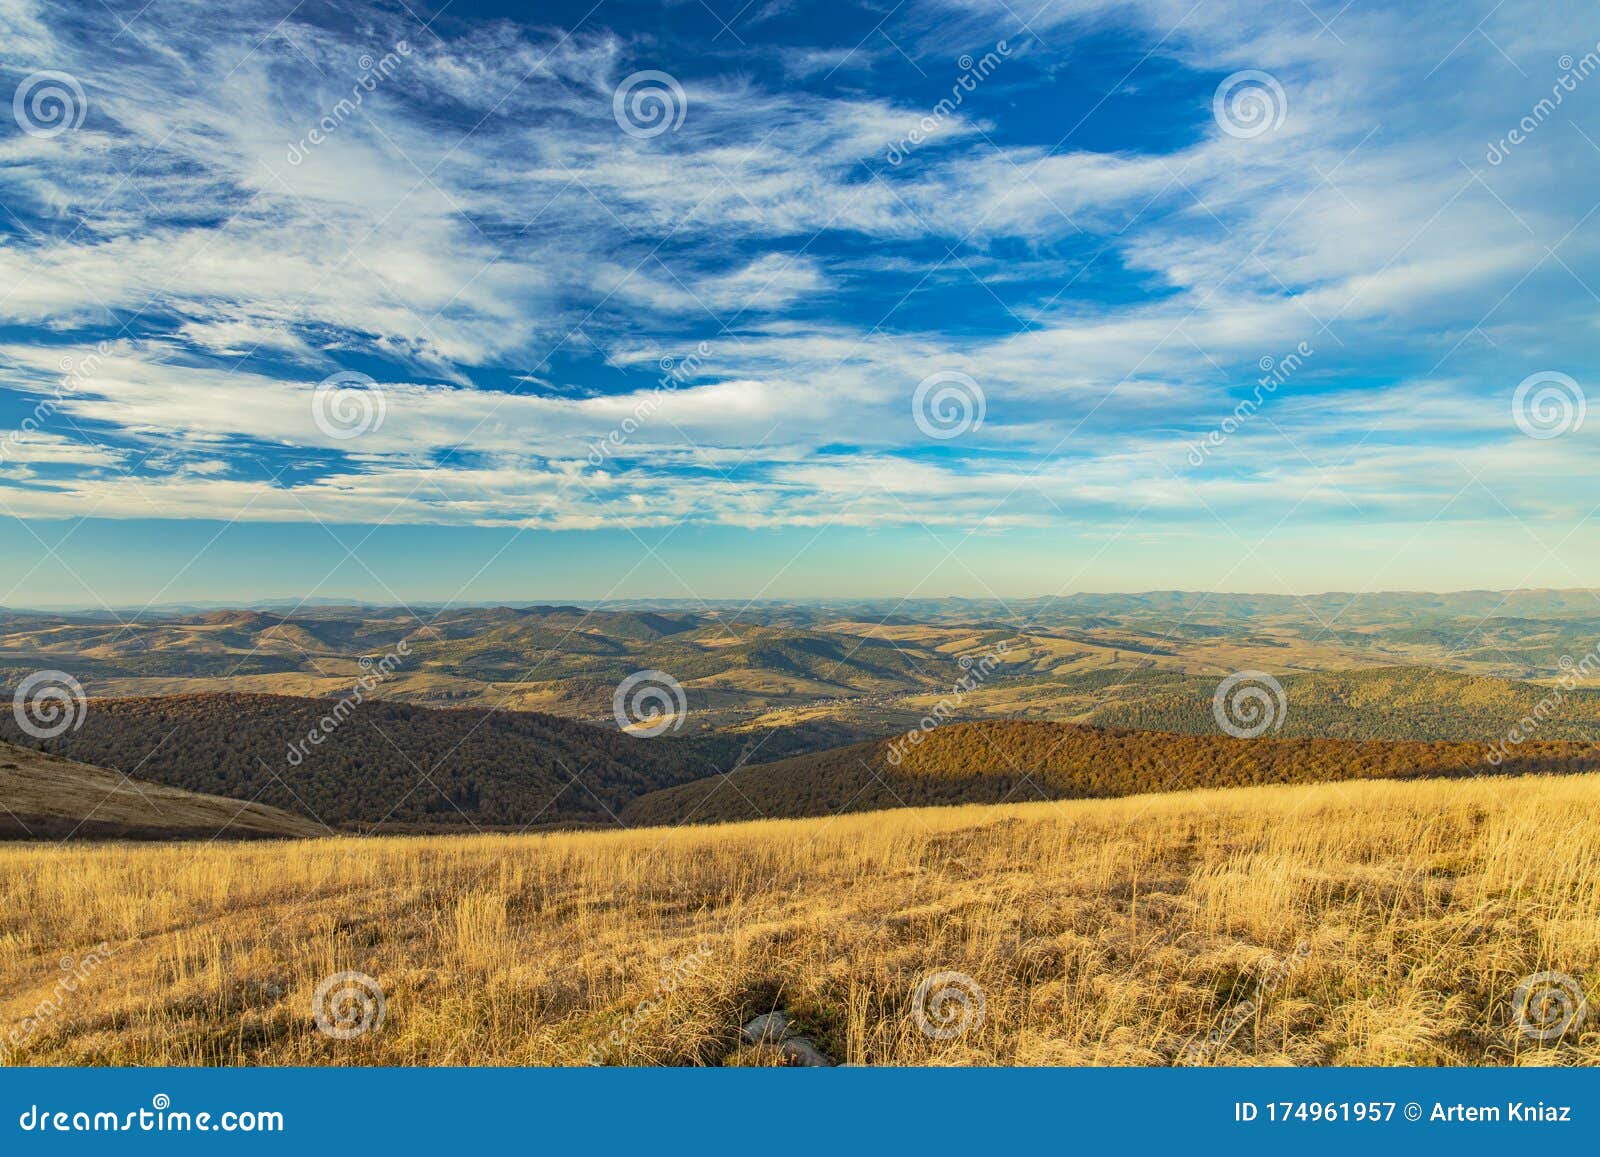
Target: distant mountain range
<point x="860" y="665"/>
<point x="556" y="659"/>
<point x="1355" y="607"/>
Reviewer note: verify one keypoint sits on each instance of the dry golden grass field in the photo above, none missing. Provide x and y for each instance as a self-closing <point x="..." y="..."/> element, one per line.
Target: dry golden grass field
<point x="1364" y="923"/>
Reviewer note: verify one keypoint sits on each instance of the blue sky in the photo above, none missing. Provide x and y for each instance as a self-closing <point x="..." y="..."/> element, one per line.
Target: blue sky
<point x="1119" y="223"/>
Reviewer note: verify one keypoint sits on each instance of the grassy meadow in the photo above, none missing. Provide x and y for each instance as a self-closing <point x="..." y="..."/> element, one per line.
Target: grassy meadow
<point x="1365" y="923"/>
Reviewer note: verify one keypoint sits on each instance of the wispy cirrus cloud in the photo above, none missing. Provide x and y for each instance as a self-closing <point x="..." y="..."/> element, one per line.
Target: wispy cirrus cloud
<point x="1082" y="240"/>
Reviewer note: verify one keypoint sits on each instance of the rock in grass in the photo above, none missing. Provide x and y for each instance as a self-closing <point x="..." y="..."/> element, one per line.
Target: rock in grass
<point x="772" y="1028"/>
<point x="801" y="1053"/>
<point x="767" y="1029"/>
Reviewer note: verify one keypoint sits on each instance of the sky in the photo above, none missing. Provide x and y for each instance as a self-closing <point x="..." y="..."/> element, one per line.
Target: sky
<point x="754" y="298"/>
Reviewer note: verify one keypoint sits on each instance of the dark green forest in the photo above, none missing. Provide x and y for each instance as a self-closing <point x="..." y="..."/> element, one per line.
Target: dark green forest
<point x="397" y="765"/>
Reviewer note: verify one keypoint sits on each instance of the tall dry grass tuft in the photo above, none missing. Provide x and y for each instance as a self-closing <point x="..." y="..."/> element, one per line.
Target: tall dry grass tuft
<point x="1359" y="923"/>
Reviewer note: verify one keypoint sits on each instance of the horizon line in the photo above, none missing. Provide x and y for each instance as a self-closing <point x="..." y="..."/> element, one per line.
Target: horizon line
<point x="722" y="601"/>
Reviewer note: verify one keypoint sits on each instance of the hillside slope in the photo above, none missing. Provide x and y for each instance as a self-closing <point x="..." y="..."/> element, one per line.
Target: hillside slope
<point x="394" y="764"/>
<point x="1375" y="703"/>
<point x="1376" y="923"/>
<point x="43" y="797"/>
<point x="1013" y="760"/>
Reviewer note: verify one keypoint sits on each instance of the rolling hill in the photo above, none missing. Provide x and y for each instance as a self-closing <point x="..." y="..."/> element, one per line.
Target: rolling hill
<point x="562" y="659"/>
<point x="739" y="661"/>
<point x="999" y="761"/>
<point x="43" y="797"/>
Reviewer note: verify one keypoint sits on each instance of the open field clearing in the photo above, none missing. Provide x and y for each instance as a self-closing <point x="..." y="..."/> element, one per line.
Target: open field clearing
<point x="1366" y="923"/>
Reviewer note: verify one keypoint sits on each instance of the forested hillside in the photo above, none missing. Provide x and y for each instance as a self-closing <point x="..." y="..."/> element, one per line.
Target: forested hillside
<point x="395" y="764"/>
<point x="1381" y="703"/>
<point x="1013" y="760"/>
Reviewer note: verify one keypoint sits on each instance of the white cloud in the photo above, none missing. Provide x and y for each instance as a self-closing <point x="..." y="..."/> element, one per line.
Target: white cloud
<point x="480" y="217"/>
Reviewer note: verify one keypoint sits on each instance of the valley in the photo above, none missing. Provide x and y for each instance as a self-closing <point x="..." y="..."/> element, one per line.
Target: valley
<point x="369" y="720"/>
